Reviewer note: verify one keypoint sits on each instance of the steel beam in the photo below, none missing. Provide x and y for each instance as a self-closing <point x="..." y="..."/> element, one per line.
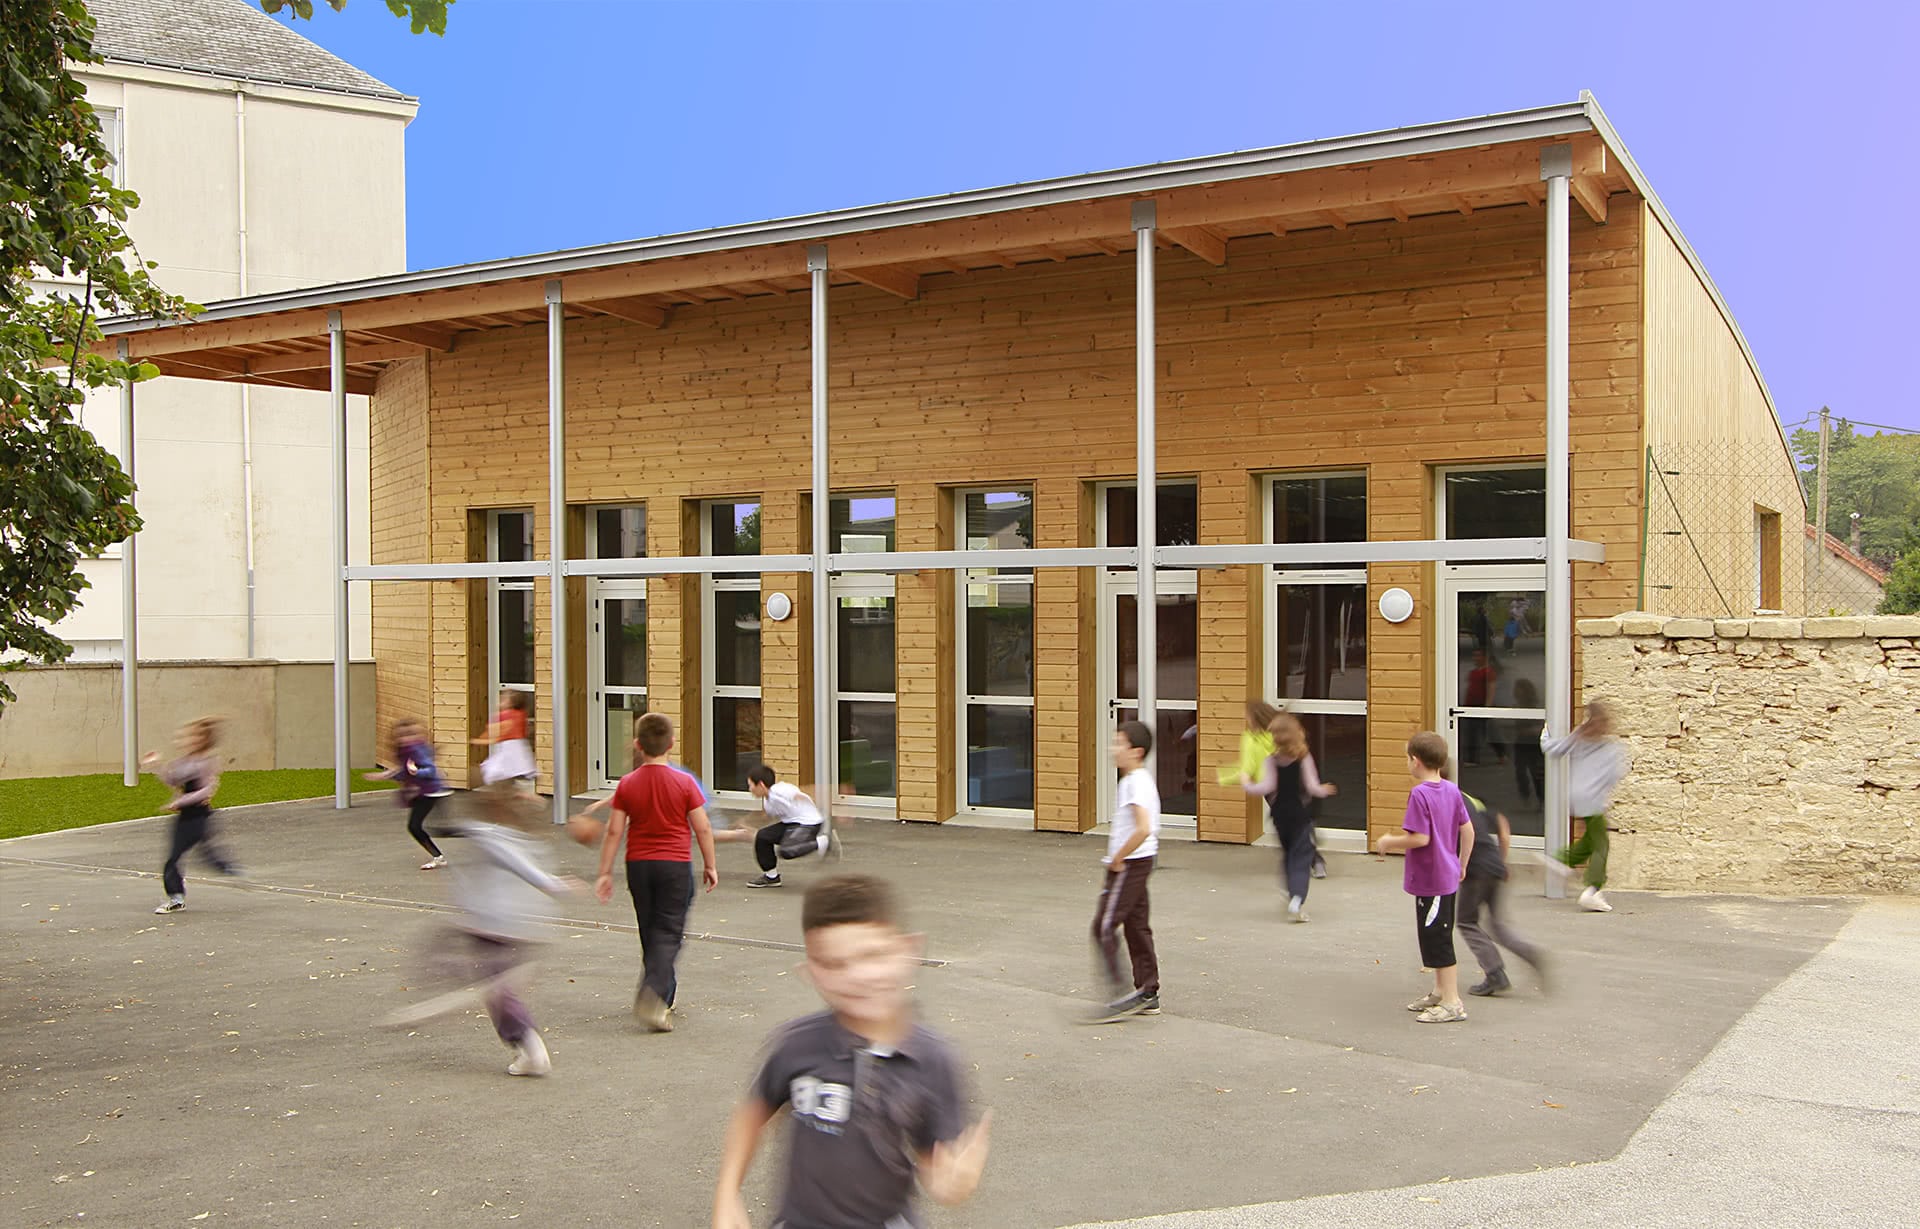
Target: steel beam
<point x="557" y="708"/>
<point x="342" y="626"/>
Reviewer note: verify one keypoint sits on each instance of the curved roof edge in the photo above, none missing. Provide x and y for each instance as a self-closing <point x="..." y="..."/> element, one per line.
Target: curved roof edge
<point x="1539" y="123"/>
<point x="1611" y="136"/>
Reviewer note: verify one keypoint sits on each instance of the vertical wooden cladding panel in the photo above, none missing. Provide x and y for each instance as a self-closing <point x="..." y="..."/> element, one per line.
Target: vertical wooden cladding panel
<point x="786" y="667"/>
<point x="1707" y="411"/>
<point x="1230" y="652"/>
<point x="400" y="477"/>
<point x="1392" y="348"/>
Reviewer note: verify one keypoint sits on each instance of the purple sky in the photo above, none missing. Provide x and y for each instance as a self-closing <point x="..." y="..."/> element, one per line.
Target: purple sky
<point x="1771" y="131"/>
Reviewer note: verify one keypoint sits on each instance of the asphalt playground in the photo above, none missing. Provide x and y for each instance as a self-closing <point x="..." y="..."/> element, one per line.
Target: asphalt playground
<point x="220" y="1065"/>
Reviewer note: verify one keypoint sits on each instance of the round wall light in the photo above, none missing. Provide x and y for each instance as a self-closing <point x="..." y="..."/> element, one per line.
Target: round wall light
<point x="1396" y="605"/>
<point x="779" y="606"/>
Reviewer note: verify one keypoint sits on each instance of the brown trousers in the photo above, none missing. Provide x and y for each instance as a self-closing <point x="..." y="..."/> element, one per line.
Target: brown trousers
<point x="1123" y="909"/>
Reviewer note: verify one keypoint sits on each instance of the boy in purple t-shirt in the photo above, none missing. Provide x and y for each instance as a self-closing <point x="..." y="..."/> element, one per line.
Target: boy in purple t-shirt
<point x="1437" y="837"/>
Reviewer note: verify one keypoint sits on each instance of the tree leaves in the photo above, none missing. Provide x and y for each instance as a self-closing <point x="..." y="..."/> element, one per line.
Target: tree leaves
<point x="425" y="16"/>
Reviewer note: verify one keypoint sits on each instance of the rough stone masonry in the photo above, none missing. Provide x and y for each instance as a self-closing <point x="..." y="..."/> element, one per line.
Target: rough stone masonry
<point x="1769" y="755"/>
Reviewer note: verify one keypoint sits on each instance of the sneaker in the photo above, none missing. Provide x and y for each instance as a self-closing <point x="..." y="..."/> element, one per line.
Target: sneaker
<point x="1151" y="1006"/>
<point x="1429" y="999"/>
<point x="1443" y="1013"/>
<point x="765" y="881"/>
<point x="174" y="905"/>
<point x="1121" y="1008"/>
<point x="1593" y="900"/>
<point x="434" y="864"/>
<point x="651" y="1012"/>
<point x="1555" y="867"/>
<point x="1319" y="868"/>
<point x="530" y="1056"/>
<point x="833" y="849"/>
<point x="1296" y="910"/>
<point x="1492" y="984"/>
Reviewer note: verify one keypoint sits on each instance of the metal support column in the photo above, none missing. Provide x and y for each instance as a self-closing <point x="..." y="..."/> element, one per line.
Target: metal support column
<point x="1146" y="466"/>
<point x="557" y="724"/>
<point x="1556" y="168"/>
<point x="342" y="626"/>
<point x="825" y="762"/>
<point x="129" y="604"/>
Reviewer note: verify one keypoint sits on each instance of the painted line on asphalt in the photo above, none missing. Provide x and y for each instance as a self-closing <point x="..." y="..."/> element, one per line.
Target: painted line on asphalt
<point x="417" y="906"/>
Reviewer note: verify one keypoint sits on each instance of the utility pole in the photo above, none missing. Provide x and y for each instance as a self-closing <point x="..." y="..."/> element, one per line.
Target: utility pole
<point x="1820" y="506"/>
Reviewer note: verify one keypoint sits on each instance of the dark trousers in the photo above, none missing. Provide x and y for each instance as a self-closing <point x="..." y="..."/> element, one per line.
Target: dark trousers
<point x="662" y="893"/>
<point x="417" y="823"/>
<point x="192" y="828"/>
<point x="766" y="842"/>
<point x="465" y="957"/>
<point x="1124" y="909"/>
<point x="1529" y="768"/>
<point x="1297" y="851"/>
<point x="1477" y="891"/>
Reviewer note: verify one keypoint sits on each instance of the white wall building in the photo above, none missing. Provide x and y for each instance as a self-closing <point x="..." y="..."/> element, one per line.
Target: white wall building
<point x="263" y="163"/>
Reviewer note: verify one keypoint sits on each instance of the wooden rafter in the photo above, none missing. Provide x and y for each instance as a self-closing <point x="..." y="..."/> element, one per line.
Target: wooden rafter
<point x="1592" y="197"/>
<point x="1463" y="205"/>
<point x="890" y="278"/>
<point x="1106" y="245"/>
<point x="639" y="311"/>
<point x="1203" y="241"/>
<point x="950" y="266"/>
<point x="433" y="337"/>
<point x="206" y="365"/>
<point x="1332" y="218"/>
<point x="1399" y="213"/>
<point x="320" y="360"/>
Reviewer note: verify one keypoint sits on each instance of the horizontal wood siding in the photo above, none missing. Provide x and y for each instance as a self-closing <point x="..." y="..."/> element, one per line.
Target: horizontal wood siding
<point x="399" y="480"/>
<point x="1391" y="348"/>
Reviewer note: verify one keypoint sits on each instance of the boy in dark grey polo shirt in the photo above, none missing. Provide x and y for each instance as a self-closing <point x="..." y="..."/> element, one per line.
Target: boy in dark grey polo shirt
<point x="875" y="1097"/>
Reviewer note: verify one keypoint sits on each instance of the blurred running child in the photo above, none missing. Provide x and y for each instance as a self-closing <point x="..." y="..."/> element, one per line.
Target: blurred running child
<point x="657" y="814"/>
<point x="510" y="754"/>
<point x="499" y="882"/>
<point x="1289" y="781"/>
<point x="1132" y="843"/>
<point x="421" y="786"/>
<point x="1596" y="762"/>
<point x="1485" y="886"/>
<point x="1529" y="761"/>
<point x="875" y="1097"/>
<point x="1437" y="837"/>
<point x="194" y="775"/>
<point x="1256" y="744"/>
<point x="794" y="827"/>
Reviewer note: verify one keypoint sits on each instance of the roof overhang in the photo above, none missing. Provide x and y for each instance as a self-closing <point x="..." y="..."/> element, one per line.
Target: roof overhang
<point x="1202" y="204"/>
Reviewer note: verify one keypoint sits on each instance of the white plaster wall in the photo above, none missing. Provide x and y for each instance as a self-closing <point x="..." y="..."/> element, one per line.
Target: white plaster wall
<point x="325" y="190"/>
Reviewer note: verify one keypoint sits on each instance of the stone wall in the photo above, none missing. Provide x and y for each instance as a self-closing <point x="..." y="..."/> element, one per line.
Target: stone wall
<point x="1770" y="755"/>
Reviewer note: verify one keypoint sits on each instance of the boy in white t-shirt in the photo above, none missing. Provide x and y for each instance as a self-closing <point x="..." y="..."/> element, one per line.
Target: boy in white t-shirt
<point x="1131" y="847"/>
<point x="793" y="829"/>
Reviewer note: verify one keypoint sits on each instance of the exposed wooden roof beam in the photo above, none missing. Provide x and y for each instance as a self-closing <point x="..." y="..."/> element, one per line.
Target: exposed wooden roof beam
<point x="1533" y="193"/>
<point x="950" y="266"/>
<point x="639" y="311"/>
<point x="1203" y="241"/>
<point x="206" y="365"/>
<point x="1332" y="219"/>
<point x="890" y="278"/>
<point x="1463" y="205"/>
<point x="430" y="336"/>
<point x="319" y="360"/>
<point x="1399" y="214"/>
<point x="1592" y="197"/>
<point x="1106" y="245"/>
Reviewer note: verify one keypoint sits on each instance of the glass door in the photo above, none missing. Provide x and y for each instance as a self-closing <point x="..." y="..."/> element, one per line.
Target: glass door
<point x="616" y="675"/>
<point x="1493" y="689"/>
<point x="1176" y="729"/>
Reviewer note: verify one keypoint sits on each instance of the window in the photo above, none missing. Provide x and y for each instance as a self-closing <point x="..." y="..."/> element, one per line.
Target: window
<point x="1317" y="632"/>
<point x="1494" y="502"/>
<point x="110" y="135"/>
<point x="510" y="604"/>
<point x="1766" y="565"/>
<point x="864" y="696"/>
<point x="995" y="652"/>
<point x="731" y="614"/>
<point x="617" y="622"/>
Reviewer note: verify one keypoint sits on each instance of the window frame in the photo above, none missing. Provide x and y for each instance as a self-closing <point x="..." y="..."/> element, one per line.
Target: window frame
<point x="864" y="585"/>
<point x="497" y="585"/>
<point x="710" y="585"/>
<point x="601" y="590"/>
<point x="964" y="700"/>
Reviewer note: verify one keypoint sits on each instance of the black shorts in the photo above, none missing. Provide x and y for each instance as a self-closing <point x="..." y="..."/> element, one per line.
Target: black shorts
<point x="1434" y="916"/>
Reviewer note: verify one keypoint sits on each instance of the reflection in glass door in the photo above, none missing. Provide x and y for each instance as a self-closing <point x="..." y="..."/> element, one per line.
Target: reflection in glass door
<point x="1493" y="662"/>
<point x="1176" y="730"/>
<point x="616" y="675"/>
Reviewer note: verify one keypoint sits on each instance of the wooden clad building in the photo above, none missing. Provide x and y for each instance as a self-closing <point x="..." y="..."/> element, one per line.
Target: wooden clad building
<point x="1349" y="347"/>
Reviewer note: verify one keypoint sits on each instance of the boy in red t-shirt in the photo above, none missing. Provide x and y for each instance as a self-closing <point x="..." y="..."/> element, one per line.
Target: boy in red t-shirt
<point x="657" y="814"/>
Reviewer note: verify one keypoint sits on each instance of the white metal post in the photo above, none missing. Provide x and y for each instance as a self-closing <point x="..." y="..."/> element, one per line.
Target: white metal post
<point x="342" y="769"/>
<point x="557" y="724"/>
<point x="129" y="604"/>
<point x="825" y="762"/>
<point x="1146" y="471"/>
<point x="1556" y="167"/>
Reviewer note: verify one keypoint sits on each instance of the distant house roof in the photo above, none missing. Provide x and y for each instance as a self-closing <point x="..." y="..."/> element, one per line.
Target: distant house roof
<point x="227" y="38"/>
<point x="1840" y="550"/>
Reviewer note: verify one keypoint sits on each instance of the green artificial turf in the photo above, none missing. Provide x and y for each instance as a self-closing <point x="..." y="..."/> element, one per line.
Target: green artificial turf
<point x="49" y="804"/>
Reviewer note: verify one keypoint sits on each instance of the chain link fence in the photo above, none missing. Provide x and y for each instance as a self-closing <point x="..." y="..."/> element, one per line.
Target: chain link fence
<point x="1726" y="535"/>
